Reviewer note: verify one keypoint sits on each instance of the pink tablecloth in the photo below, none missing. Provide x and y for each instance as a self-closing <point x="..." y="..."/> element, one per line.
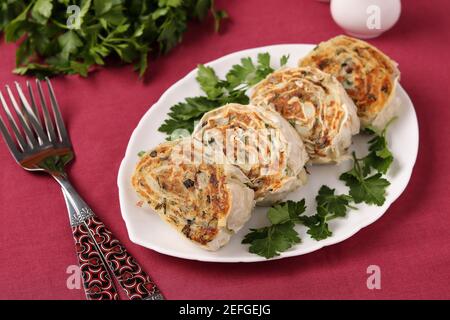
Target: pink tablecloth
<point x="410" y="243"/>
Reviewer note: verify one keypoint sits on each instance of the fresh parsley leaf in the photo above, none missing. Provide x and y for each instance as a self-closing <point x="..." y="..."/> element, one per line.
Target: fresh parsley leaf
<point x="235" y="96"/>
<point x="15" y="28"/>
<point x="255" y="234"/>
<point x="283" y="60"/>
<point x="268" y="242"/>
<point x="295" y="209"/>
<point x="264" y="61"/>
<point x="172" y="125"/>
<point x="209" y="82"/>
<point x="280" y="235"/>
<point x="193" y="108"/>
<point x="329" y="206"/>
<point x="278" y="214"/>
<point x="317" y="225"/>
<point x="364" y="186"/>
<point x="241" y="74"/>
<point x="371" y="190"/>
<point x="286" y="211"/>
<point x="70" y="42"/>
<point x="334" y="205"/>
<point x="247" y="74"/>
<point x="378" y="161"/>
<point x="10" y="10"/>
<point x="42" y="10"/>
<point x="183" y="115"/>
<point x="380" y="157"/>
<point x="370" y="130"/>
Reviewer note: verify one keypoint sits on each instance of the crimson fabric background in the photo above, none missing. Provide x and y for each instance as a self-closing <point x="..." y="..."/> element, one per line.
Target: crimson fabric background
<point x="410" y="242"/>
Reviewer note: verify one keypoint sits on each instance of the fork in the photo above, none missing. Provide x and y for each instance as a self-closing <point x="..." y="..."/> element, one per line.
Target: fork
<point x="45" y="146"/>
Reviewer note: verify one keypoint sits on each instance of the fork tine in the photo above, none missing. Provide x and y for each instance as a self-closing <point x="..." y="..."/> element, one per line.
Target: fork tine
<point x="8" y="139"/>
<point x="26" y="117"/>
<point x="26" y="129"/>
<point x="57" y="113"/>
<point x="31" y="115"/>
<point x="47" y="118"/>
<point x="33" y="102"/>
<point x="34" y="106"/>
<point x="12" y="122"/>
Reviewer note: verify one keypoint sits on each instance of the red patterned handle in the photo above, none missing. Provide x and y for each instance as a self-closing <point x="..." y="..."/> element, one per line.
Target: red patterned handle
<point x="97" y="280"/>
<point x="136" y="283"/>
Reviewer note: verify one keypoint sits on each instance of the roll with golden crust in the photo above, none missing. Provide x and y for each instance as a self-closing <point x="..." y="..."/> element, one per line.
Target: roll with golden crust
<point x="369" y="76"/>
<point x="207" y="203"/>
<point x="261" y="143"/>
<point x="316" y="105"/>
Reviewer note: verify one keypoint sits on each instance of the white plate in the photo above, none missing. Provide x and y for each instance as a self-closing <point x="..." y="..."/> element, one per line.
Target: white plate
<point x="145" y="227"/>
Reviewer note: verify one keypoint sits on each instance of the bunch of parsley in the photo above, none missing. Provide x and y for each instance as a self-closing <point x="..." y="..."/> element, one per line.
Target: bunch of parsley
<point x="56" y="37"/>
<point x="217" y="92"/>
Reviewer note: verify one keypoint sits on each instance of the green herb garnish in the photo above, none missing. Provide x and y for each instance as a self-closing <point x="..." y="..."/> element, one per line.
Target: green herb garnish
<point x="283" y="60"/>
<point x="280" y="235"/>
<point x="371" y="189"/>
<point x="218" y="92"/>
<point x="246" y="74"/>
<point x="329" y="206"/>
<point x="364" y="185"/>
<point x="380" y="157"/>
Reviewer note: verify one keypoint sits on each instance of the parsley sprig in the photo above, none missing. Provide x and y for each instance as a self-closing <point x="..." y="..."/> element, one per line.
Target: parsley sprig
<point x="363" y="188"/>
<point x="218" y="92"/>
<point x="280" y="235"/>
<point x="366" y="186"/>
<point x="329" y="207"/>
<point x="380" y="157"/>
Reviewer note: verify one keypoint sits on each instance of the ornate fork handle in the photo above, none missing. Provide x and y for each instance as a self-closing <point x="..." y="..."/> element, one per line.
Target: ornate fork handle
<point x="136" y="283"/>
<point x="97" y="280"/>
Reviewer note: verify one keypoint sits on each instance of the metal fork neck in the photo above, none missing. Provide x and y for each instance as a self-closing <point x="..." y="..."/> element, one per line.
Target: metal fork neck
<point x="82" y="210"/>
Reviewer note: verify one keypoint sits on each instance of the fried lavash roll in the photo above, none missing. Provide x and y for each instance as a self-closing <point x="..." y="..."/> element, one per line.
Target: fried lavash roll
<point x="316" y="105"/>
<point x="261" y="143"/>
<point x="368" y="75"/>
<point x="206" y="202"/>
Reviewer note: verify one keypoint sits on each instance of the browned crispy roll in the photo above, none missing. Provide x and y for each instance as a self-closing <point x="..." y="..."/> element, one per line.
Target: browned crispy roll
<point x="368" y="75"/>
<point x="316" y="105"/>
<point x="205" y="202"/>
